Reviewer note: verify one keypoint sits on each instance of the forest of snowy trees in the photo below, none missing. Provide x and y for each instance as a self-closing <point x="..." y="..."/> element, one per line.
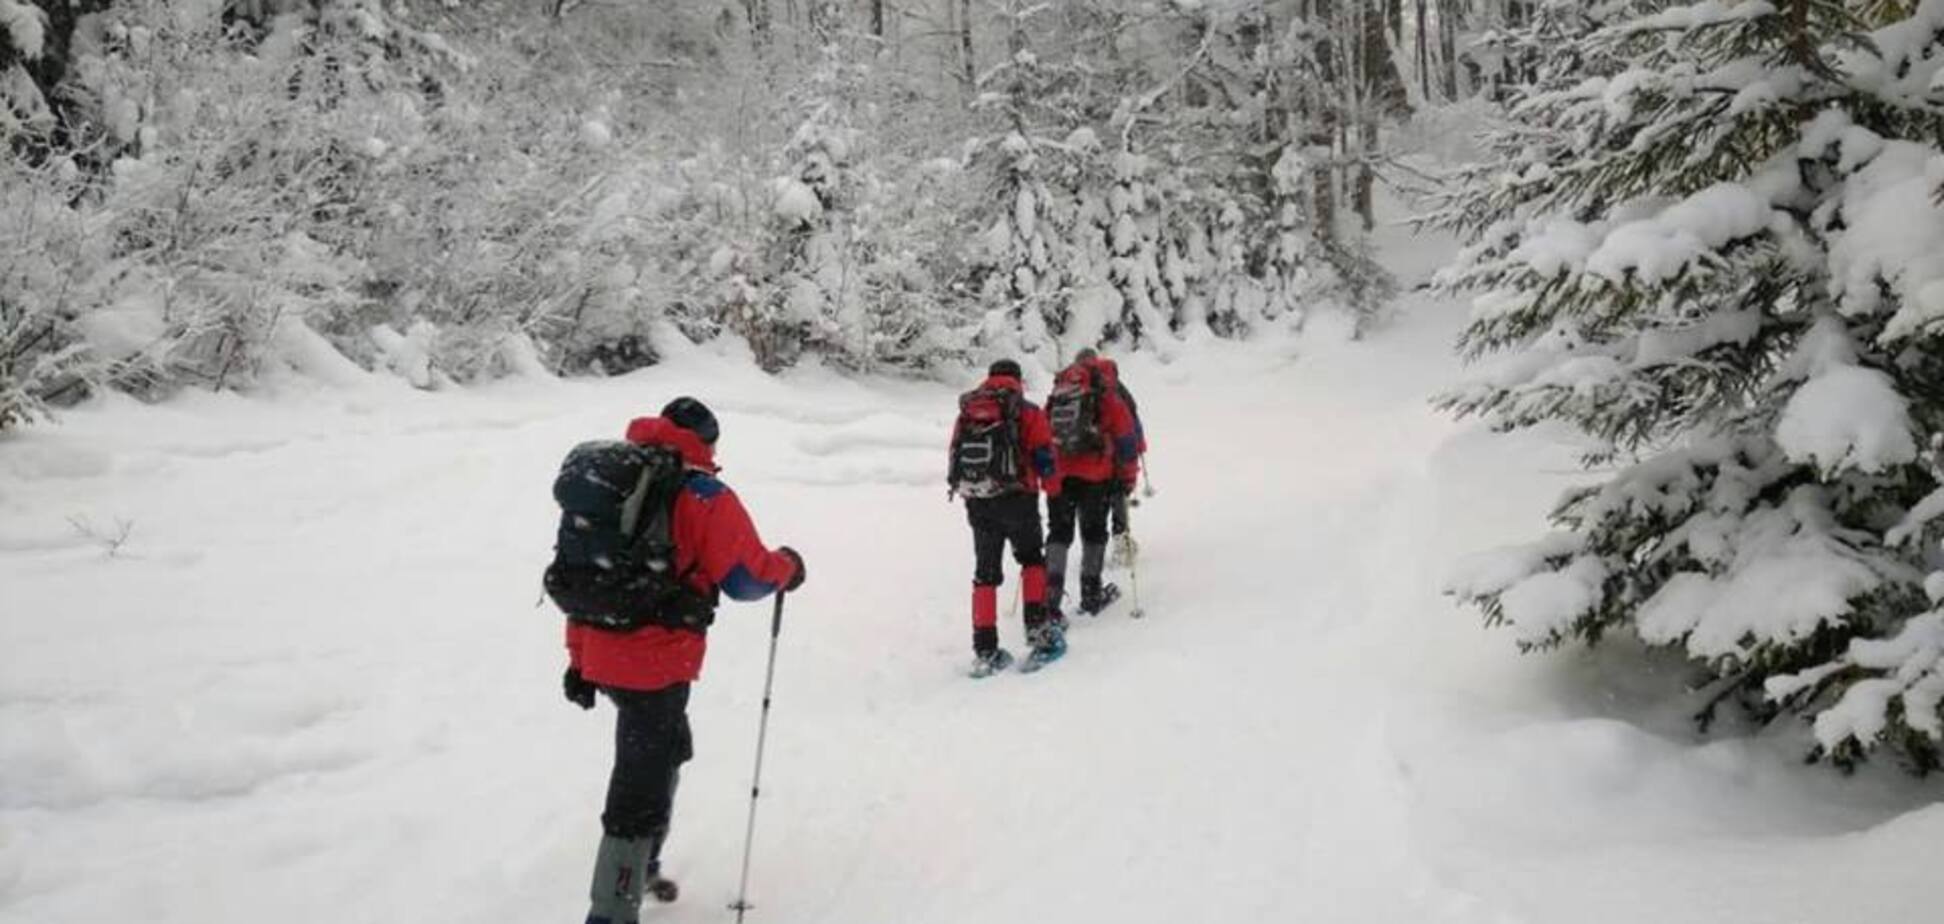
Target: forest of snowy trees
<point x="1707" y="235"/>
<point x="201" y="190"/>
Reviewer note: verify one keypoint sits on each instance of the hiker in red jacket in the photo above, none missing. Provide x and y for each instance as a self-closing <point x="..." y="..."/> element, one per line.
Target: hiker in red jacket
<point x="647" y="672"/>
<point x="1094" y="444"/>
<point x="1001" y="450"/>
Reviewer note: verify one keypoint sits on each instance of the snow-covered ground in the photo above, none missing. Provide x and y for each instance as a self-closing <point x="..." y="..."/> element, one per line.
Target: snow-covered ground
<point x="311" y="683"/>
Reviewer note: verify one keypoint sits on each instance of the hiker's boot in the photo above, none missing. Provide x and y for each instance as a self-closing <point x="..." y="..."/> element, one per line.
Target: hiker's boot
<point x="620" y="874"/>
<point x="1096" y="595"/>
<point x="1049" y="642"/>
<point x="987" y="657"/>
<point x="657" y="886"/>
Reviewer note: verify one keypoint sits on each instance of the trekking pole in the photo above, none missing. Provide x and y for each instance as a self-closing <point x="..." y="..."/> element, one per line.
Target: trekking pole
<point x="1147" y="480"/>
<point x="1134" y="581"/>
<point x="742" y="905"/>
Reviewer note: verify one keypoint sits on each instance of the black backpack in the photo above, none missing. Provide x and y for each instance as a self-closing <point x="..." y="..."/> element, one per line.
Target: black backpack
<point x="986" y="457"/>
<point x="614" y="554"/>
<point x="1074" y="411"/>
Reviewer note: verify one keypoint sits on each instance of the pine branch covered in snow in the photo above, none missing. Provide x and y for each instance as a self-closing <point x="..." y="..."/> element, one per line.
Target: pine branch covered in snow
<point x="1715" y="249"/>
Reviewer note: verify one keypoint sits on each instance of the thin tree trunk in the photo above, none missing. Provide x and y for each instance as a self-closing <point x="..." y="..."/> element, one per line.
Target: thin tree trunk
<point x="1326" y="123"/>
<point x="1448" y="17"/>
<point x="1382" y="76"/>
<point x="1383" y="96"/>
<point x="966" y="59"/>
<point x="1424" y="50"/>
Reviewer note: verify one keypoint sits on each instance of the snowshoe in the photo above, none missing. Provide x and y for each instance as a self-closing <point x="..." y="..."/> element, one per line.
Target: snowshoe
<point x="1044" y="654"/>
<point x="662" y="889"/>
<point x="1093" y="604"/>
<point x="1056" y="621"/>
<point x="992" y="662"/>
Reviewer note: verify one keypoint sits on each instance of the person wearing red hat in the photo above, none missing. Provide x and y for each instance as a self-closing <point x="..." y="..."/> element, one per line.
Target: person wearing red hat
<point x="647" y="672"/>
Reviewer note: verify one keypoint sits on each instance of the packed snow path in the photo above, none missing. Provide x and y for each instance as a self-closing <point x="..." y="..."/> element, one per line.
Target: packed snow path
<point x="279" y="659"/>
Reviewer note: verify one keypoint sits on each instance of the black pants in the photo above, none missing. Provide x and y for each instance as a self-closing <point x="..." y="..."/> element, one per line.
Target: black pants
<point x="651" y="742"/>
<point x="1013" y="518"/>
<point x="1117" y="511"/>
<point x="1085" y="501"/>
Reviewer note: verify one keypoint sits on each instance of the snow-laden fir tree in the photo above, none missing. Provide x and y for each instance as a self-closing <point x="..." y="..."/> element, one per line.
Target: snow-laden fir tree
<point x="1142" y="264"/>
<point x="1029" y="106"/>
<point x="818" y="283"/>
<point x="1125" y="207"/>
<point x="1713" y="242"/>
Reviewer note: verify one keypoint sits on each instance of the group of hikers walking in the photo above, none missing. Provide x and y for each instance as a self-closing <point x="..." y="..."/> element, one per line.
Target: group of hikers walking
<point x="650" y="540"/>
<point x="1083" y="451"/>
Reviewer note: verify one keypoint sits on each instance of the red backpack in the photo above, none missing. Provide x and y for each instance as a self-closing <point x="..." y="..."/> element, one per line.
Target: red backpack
<point x="1075" y="409"/>
<point x="986" y="456"/>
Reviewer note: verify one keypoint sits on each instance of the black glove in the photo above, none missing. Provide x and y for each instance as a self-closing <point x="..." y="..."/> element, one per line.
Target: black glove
<point x="578" y="691"/>
<point x="796" y="580"/>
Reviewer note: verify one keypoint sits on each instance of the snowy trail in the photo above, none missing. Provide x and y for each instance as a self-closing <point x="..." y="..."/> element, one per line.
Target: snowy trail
<point x="311" y="683"/>
<point x="345" y="640"/>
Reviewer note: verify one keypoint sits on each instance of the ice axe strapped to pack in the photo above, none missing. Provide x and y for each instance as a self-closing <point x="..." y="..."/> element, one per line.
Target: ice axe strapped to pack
<point x="614" y="553"/>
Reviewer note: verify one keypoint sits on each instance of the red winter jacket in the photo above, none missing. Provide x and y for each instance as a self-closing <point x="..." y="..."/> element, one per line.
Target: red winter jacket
<point x="1035" y="435"/>
<point x="1130" y="472"/>
<point x="1116" y="424"/>
<point x="715" y="545"/>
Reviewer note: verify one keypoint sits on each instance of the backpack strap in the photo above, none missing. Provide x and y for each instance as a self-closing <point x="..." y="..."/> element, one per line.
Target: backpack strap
<point x="686" y="607"/>
<point x="1098" y="383"/>
<point x="1015" y="424"/>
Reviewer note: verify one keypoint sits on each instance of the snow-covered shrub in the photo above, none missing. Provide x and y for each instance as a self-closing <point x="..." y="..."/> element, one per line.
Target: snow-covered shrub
<point x="1720" y="254"/>
<point x="233" y="212"/>
<point x="46" y="271"/>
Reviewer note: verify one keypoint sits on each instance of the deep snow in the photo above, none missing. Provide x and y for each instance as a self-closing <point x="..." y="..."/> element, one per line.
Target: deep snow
<point x="312" y="683"/>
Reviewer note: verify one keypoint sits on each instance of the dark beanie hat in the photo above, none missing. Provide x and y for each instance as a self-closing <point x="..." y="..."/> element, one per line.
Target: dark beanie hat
<point x="1007" y="368"/>
<point x="1086" y="354"/>
<point x="693" y="416"/>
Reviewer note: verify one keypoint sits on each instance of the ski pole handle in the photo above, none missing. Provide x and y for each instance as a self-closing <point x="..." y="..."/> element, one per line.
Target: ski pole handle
<point x="776" y="618"/>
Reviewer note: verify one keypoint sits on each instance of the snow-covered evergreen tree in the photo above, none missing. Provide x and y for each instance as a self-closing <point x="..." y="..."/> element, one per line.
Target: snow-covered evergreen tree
<point x="1715" y="246"/>
<point x="817" y="285"/>
<point x="1038" y="133"/>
